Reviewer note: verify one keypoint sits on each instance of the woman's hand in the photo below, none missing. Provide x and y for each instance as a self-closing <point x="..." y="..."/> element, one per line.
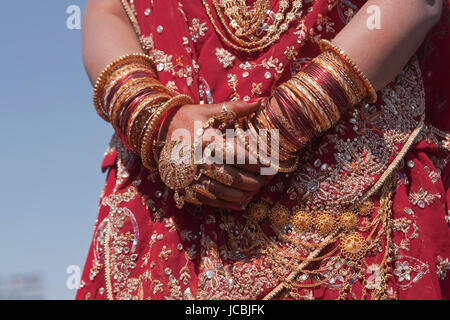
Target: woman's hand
<point x="241" y="185"/>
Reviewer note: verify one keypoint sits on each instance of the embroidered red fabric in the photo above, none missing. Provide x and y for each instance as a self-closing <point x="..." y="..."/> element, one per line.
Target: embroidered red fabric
<point x="154" y="251"/>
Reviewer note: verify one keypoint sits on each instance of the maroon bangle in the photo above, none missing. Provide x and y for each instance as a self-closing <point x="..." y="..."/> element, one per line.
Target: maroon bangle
<point x="329" y="84"/>
<point x="323" y="107"/>
<point x="295" y="111"/>
<point x="122" y="81"/>
<point x="298" y="143"/>
<point x="129" y="109"/>
<point x="115" y="121"/>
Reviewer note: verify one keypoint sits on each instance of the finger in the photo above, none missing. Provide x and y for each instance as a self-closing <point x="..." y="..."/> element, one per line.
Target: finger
<point x="241" y="108"/>
<point x="217" y="150"/>
<point x="221" y="191"/>
<point x="234" y="177"/>
<point x="220" y="203"/>
<point x="246" y="159"/>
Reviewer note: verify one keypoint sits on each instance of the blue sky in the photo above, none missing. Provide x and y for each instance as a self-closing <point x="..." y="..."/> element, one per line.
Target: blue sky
<point x="53" y="143"/>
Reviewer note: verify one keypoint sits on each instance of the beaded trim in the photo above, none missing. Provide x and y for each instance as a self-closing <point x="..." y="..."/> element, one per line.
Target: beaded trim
<point x="132" y="16"/>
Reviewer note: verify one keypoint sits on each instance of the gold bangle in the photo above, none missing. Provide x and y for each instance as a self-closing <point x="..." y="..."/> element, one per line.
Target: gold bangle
<point x="310" y="104"/>
<point x="138" y="119"/>
<point x="371" y="93"/>
<point x="117" y="107"/>
<point x="145" y="136"/>
<point x="284" y="154"/>
<point x="109" y="69"/>
<point x="157" y="117"/>
<point x="286" y="143"/>
<point x="301" y="85"/>
<point x="347" y="85"/>
<point x="336" y="63"/>
<point x="330" y="110"/>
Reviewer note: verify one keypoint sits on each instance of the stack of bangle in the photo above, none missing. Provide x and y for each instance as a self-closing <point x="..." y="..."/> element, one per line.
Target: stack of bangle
<point x="312" y="101"/>
<point x="129" y="95"/>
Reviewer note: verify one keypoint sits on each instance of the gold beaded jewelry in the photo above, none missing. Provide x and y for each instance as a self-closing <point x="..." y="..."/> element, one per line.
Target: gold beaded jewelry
<point x="302" y="220"/>
<point x="258" y="211"/>
<point x="219" y="175"/>
<point x="279" y="215"/>
<point x="348" y="220"/>
<point x="295" y="255"/>
<point x="177" y="168"/>
<point x="324" y="223"/>
<point x="274" y="32"/>
<point x="353" y="247"/>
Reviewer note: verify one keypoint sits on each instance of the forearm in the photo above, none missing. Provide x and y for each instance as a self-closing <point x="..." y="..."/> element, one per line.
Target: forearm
<point x="107" y="34"/>
<point x="382" y="53"/>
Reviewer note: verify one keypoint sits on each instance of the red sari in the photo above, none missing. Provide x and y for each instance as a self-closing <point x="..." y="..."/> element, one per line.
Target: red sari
<point x="392" y="154"/>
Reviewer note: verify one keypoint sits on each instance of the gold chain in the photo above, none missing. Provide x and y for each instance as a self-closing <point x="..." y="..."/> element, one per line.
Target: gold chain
<point x="275" y="30"/>
<point x="343" y="240"/>
<point x="243" y="20"/>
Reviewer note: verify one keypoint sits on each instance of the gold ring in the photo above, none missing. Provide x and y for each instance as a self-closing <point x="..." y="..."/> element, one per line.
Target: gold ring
<point x="204" y="190"/>
<point x="191" y="198"/>
<point x="219" y="175"/>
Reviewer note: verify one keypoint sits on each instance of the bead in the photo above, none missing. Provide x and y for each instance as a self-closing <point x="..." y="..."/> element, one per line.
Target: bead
<point x="410" y="164"/>
<point x="267" y="75"/>
<point x="317" y="163"/>
<point x="159" y="29"/>
<point x="209" y="274"/>
<point x="147" y="11"/>
<point x="421" y="204"/>
<point x="245" y="75"/>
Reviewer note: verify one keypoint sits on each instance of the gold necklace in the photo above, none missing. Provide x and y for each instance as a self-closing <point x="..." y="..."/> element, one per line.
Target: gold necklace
<point x="274" y="31"/>
<point x="351" y="249"/>
<point x="244" y="20"/>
